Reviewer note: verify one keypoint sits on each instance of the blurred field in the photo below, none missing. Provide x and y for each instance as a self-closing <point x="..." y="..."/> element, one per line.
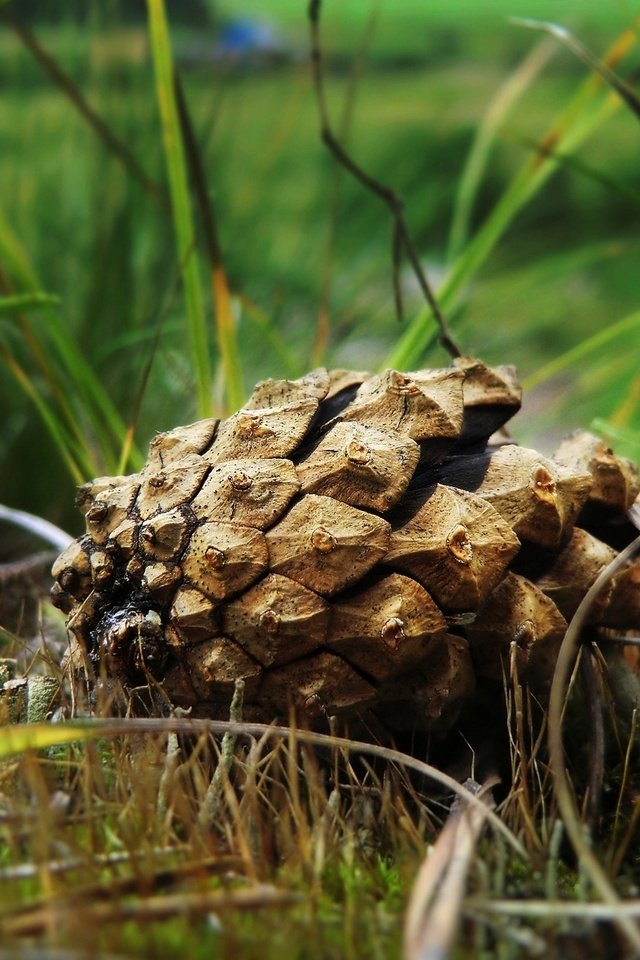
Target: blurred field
<point x="565" y="269"/>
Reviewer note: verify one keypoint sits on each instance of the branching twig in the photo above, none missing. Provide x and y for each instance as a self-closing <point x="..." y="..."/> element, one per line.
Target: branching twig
<point x="401" y="236"/>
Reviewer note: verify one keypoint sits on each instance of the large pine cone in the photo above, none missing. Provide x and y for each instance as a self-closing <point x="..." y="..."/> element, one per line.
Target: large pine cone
<point x="348" y="543"/>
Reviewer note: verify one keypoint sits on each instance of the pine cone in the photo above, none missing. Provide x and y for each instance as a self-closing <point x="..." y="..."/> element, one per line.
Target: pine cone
<point x="348" y="543"/>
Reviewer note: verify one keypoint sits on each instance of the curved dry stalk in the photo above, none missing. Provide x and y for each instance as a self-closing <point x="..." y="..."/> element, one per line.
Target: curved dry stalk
<point x="14" y="740"/>
<point x="44" y="529"/>
<point x="566" y="803"/>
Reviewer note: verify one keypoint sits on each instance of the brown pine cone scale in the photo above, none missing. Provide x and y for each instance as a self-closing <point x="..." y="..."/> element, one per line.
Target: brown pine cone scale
<point x="348" y="544"/>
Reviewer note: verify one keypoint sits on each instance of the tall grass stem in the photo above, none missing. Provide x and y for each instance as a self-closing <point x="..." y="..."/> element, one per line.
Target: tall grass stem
<point x="180" y="203"/>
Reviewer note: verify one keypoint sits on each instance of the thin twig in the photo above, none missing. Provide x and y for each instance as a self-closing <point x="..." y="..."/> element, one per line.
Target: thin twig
<point x="401" y="235"/>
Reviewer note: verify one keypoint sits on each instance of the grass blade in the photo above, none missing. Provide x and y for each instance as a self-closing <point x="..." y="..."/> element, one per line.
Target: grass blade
<point x="64" y="83"/>
<point x="225" y="320"/>
<point x="587" y="110"/>
<point x="579" y="166"/>
<point x="180" y="202"/>
<point x="506" y="98"/>
<point x="27" y="301"/>
<point x="582" y="53"/>
<point x="75" y="381"/>
<point x="256" y="315"/>
<point x="77" y="466"/>
<point x="581" y="350"/>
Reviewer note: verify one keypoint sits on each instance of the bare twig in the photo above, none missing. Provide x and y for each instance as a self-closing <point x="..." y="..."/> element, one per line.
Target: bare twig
<point x="401" y="237"/>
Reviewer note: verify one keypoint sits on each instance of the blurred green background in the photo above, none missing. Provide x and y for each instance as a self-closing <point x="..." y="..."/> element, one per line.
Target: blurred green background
<point x="410" y="84"/>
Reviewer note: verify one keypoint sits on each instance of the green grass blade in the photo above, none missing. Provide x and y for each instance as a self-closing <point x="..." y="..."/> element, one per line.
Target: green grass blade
<point x="180" y="202"/>
<point x="261" y="322"/>
<point x="78" y="467"/>
<point x="421" y="332"/>
<point x="587" y="110"/>
<point x="27" y="301"/>
<point x="78" y="379"/>
<point x="583" y="349"/>
<point x="508" y="95"/>
<point x="582" y="53"/>
<point x="222" y="301"/>
<point x="620" y="435"/>
<point x="585" y="169"/>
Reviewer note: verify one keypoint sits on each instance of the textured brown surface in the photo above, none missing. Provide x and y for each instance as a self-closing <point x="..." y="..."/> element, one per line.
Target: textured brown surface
<point x="349" y="544"/>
